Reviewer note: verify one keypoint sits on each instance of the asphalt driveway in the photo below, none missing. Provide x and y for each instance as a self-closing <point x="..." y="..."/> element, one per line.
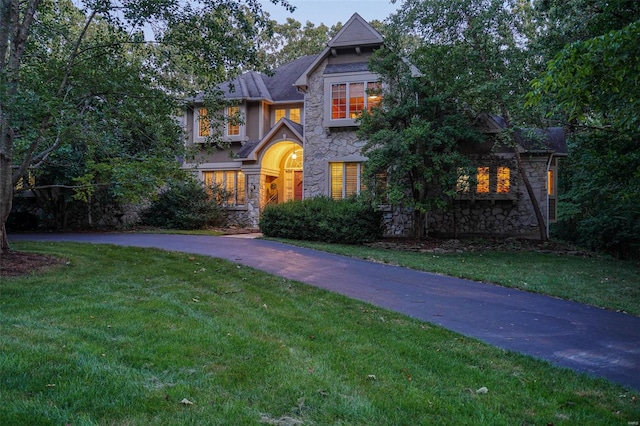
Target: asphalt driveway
<point x="595" y="341"/>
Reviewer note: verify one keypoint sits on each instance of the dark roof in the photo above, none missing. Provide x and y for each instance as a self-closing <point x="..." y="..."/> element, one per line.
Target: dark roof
<point x="348" y="67"/>
<point x="277" y="87"/>
<point x="280" y="84"/>
<point x="246" y="149"/>
<point x="551" y="139"/>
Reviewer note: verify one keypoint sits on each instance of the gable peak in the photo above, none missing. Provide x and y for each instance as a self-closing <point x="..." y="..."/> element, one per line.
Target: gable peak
<point x="356" y="32"/>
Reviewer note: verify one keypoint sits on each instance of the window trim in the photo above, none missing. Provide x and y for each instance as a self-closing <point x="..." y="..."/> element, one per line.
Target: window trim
<point x="348" y="78"/>
<point x="359" y="183"/>
<point x="465" y="190"/>
<point x="224" y="132"/>
<point x="286" y="113"/>
<point x="235" y="205"/>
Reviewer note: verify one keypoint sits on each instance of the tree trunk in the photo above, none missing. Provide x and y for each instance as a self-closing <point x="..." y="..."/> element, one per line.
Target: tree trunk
<point x="542" y="227"/>
<point x="6" y="182"/>
<point x="532" y="196"/>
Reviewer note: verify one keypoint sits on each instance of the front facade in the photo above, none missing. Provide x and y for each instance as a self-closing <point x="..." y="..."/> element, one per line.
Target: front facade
<point x="297" y="139"/>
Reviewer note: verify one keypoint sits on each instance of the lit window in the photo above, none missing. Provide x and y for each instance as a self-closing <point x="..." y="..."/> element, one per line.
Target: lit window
<point x="345" y="179"/>
<point x="504" y="180"/>
<point x="294" y="115"/>
<point x="338" y="101"/>
<point x="462" y="184"/>
<point x="482" y="186"/>
<point x="551" y="188"/>
<point x="232" y="128"/>
<point x="280" y="113"/>
<point x="356" y="99"/>
<point x="348" y="100"/>
<point x="231" y="182"/>
<point x="373" y="95"/>
<point x="204" y="126"/>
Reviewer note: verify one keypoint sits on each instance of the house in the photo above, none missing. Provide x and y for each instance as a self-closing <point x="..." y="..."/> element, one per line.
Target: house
<point x="298" y="140"/>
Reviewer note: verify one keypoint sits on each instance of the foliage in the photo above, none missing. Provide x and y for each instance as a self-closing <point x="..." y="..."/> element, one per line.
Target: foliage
<point x="84" y="79"/>
<point x="350" y="221"/>
<point x="591" y="85"/>
<point x="413" y="141"/>
<point x="596" y="81"/>
<point x="122" y="335"/>
<point x="599" y="208"/>
<point x="291" y="40"/>
<point x="185" y="204"/>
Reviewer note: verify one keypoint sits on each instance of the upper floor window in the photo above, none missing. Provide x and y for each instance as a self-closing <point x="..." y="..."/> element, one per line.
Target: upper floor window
<point x="292" y="114"/>
<point x="348" y="100"/>
<point x="204" y="125"/>
<point x="233" y="127"/>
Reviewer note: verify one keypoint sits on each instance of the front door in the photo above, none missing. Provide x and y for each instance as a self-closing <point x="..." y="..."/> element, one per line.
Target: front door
<point x="297" y="185"/>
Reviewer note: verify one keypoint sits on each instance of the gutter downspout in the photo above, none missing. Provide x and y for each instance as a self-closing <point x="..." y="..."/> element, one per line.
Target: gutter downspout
<point x="547" y="191"/>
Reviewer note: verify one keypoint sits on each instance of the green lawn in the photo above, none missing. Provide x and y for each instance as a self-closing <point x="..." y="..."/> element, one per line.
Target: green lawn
<point x="120" y="336"/>
<point x="597" y="281"/>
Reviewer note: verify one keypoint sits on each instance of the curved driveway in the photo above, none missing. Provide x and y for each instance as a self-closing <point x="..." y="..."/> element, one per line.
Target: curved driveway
<point x="587" y="339"/>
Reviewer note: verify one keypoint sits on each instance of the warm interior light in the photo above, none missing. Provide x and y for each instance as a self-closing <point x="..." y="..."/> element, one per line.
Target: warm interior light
<point x="294" y="156"/>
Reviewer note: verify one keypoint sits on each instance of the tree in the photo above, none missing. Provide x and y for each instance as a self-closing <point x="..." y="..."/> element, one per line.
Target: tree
<point x="38" y="115"/>
<point x="479" y="52"/>
<point x="591" y="86"/>
<point x="413" y="141"/>
<point x="291" y="40"/>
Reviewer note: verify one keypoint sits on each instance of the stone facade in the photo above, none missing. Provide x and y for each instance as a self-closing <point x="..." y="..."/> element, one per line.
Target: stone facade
<point x="494" y="214"/>
<point x="329" y="135"/>
<point x="324" y="144"/>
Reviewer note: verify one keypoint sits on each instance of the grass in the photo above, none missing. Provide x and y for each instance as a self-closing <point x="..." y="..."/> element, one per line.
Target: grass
<point x="597" y="281"/>
<point x="121" y="336"/>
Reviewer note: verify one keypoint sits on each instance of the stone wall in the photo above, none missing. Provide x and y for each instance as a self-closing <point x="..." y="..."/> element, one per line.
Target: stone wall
<point x="323" y="144"/>
<point x="497" y="214"/>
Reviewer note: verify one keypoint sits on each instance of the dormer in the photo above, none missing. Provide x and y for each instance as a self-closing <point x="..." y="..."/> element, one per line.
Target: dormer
<point x="348" y="85"/>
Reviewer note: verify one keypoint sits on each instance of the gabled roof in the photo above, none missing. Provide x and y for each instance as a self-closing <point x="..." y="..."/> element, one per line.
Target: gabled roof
<point x="249" y="150"/>
<point x="542" y="140"/>
<point x="355" y="33"/>
<point x="280" y="85"/>
<point x="550" y="139"/>
<point x="277" y="87"/>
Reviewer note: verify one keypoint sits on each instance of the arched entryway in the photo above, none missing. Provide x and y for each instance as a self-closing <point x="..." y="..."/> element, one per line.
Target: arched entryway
<point x="281" y="169"/>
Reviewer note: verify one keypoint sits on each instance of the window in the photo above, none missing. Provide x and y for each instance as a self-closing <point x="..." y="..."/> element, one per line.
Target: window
<point x="484" y="179"/>
<point x="345" y="179"/>
<point x="292" y="114"/>
<point x="349" y="99"/>
<point x="373" y="95"/>
<point x="504" y="180"/>
<point x="233" y="128"/>
<point x="482" y="186"/>
<point x="204" y="125"/>
<point x="280" y="113"/>
<point x="462" y="185"/>
<point x="232" y="182"/>
<point x="551" y="187"/>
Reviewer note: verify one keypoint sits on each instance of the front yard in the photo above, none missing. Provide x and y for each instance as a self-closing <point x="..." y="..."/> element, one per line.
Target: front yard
<point x="138" y="336"/>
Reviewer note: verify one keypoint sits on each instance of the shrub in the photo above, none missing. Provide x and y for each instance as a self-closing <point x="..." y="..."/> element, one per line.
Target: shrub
<point x="348" y="221"/>
<point x="184" y="205"/>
